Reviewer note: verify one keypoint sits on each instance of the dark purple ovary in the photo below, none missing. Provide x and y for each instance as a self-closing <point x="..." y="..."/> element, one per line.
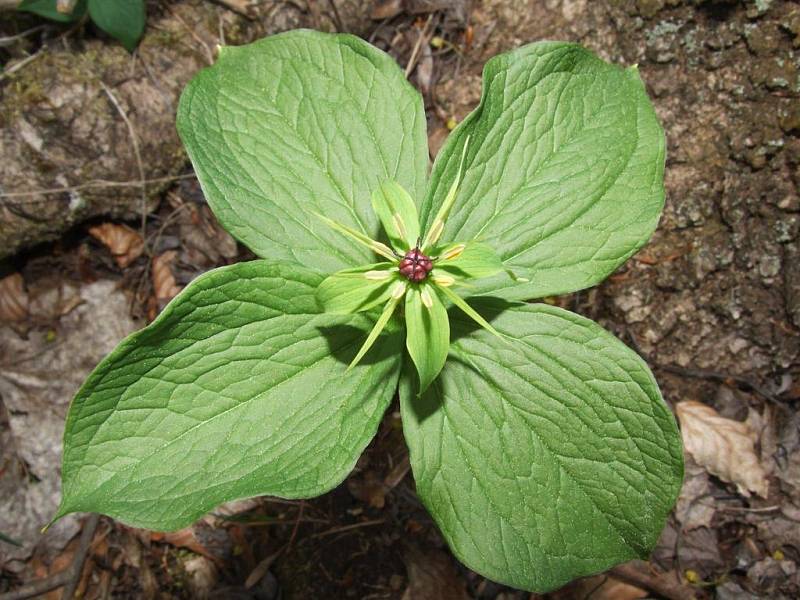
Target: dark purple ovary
<point x="415" y="266"/>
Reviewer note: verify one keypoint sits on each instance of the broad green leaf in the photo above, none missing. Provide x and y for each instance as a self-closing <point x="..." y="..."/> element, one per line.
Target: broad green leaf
<point x="47" y="9"/>
<point x="471" y="260"/>
<point x="237" y="389"/>
<point x="427" y="332"/>
<point x="358" y="289"/>
<point x="123" y="20"/>
<point x="563" y="174"/>
<point x="547" y="458"/>
<point x="297" y="123"/>
<point x="398" y="215"/>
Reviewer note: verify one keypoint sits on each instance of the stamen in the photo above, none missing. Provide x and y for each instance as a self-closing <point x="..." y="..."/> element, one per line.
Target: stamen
<point x="378" y="275"/>
<point x="443" y="280"/>
<point x="398" y="290"/>
<point x="435" y="233"/>
<point x="425" y="296"/>
<point x="400" y="225"/>
<point x="453" y="252"/>
<point x="382" y="249"/>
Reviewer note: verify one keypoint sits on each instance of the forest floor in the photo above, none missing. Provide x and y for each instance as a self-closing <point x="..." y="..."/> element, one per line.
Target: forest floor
<point x="712" y="302"/>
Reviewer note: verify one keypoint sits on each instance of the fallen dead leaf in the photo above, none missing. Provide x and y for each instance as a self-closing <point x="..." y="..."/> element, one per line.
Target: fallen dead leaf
<point x="183" y="538"/>
<point x="369" y="489"/>
<point x="203" y="576"/>
<point x="726" y="448"/>
<point x="124" y="243"/>
<point x="695" y="507"/>
<point x="431" y="576"/>
<point x="599" y="587"/>
<point x="13" y="299"/>
<point x="436" y="140"/>
<point x="386" y="9"/>
<point x="164" y="284"/>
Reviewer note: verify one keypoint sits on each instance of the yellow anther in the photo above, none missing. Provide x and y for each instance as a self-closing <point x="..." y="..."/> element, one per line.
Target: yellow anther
<point x="436" y="232"/>
<point x="400" y="225"/>
<point x="453" y="252"/>
<point x="382" y="249"/>
<point x="377" y="275"/>
<point x="398" y="290"/>
<point x="425" y="296"/>
<point x="443" y="280"/>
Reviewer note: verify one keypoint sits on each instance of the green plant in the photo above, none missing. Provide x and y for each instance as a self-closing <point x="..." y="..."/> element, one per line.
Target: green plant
<point x="121" y="19"/>
<point x="539" y="442"/>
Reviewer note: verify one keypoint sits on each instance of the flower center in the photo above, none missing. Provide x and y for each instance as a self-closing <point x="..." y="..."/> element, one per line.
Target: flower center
<point x="415" y="266"/>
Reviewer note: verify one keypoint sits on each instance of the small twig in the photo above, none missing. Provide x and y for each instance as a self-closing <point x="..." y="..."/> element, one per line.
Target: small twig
<point x="68" y="578"/>
<point x="412" y="61"/>
<point x="296" y="526"/>
<point x="637" y="573"/>
<point x="336" y="530"/>
<point x="242" y="7"/>
<point x="337" y="18"/>
<point x="8" y="40"/>
<point x="209" y="53"/>
<point x="17" y="66"/>
<point x="722" y="377"/>
<point x="89" y="527"/>
<point x="138" y="156"/>
<point x="94" y="185"/>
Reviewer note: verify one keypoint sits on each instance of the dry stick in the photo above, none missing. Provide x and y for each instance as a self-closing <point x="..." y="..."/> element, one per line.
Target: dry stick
<point x="98" y="183"/>
<point x="242" y="7"/>
<point x="721" y="377"/>
<point x="412" y="61"/>
<point x="69" y="577"/>
<point x="636" y="573"/>
<point x="17" y="66"/>
<point x="337" y="18"/>
<point x="336" y="530"/>
<point x="8" y="40"/>
<point x="77" y="565"/>
<point x="139" y="164"/>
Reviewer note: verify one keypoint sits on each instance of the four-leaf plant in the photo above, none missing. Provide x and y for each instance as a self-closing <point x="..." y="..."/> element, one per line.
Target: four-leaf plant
<point x="539" y="442"/>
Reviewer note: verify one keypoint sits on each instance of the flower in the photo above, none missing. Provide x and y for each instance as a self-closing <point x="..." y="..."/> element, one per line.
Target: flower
<point x="420" y="270"/>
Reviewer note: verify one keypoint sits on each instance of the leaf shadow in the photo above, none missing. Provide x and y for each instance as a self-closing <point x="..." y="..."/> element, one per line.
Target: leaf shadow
<point x="345" y="340"/>
<point x="462" y="325"/>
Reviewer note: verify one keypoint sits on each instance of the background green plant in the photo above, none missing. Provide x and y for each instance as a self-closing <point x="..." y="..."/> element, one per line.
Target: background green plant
<point x="123" y="20"/>
<point x="541" y="459"/>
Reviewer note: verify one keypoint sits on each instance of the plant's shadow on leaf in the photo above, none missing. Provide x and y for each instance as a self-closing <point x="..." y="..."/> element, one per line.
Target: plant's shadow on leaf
<point x="344" y="342"/>
<point x="489" y="308"/>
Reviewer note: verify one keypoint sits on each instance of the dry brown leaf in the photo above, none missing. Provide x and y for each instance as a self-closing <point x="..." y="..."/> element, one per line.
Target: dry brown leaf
<point x="183" y="538"/>
<point x="13" y="299"/>
<point x="695" y="507"/>
<point x="431" y="576"/>
<point x="386" y="9"/>
<point x="164" y="284"/>
<point x="726" y="448"/>
<point x="124" y="243"/>
<point x="436" y="139"/>
<point x="599" y="587"/>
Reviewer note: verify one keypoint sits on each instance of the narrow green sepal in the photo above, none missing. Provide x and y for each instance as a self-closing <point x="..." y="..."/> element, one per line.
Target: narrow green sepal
<point x="398" y="214"/>
<point x="358" y="289"/>
<point x="437" y="226"/>
<point x="470" y="312"/>
<point x="427" y="332"/>
<point x="471" y="259"/>
<point x="380" y="324"/>
<point x="364" y="240"/>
